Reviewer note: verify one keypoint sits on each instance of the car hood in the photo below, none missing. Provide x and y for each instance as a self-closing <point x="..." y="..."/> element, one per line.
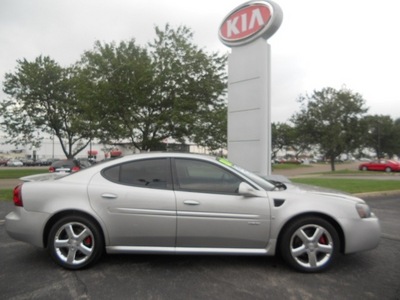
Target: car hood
<point x="320" y="191"/>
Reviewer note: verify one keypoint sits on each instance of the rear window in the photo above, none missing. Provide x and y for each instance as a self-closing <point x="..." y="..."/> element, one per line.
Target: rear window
<point x="149" y="173"/>
<point x="63" y="164"/>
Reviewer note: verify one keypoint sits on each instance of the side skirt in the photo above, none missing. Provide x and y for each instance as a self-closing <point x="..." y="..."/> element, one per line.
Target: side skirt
<point x="270" y="250"/>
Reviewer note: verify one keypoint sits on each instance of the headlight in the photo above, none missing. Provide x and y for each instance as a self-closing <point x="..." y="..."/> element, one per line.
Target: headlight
<point x="363" y="210"/>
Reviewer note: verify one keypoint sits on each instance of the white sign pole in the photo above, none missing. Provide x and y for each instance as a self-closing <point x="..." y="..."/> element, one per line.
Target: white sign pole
<point x="246" y="30"/>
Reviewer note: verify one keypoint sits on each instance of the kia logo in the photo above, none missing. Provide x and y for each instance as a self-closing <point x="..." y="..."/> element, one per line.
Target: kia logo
<point x="250" y="21"/>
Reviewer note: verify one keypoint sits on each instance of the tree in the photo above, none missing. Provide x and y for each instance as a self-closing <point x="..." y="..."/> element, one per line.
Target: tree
<point x="41" y="99"/>
<point x="146" y="94"/>
<point x="281" y="137"/>
<point x="381" y="134"/>
<point x="332" y="119"/>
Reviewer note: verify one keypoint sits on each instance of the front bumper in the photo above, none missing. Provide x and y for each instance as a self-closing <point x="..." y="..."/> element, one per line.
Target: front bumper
<point x="362" y="234"/>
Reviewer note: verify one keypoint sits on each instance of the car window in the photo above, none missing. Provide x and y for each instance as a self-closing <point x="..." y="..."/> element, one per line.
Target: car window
<point x="201" y="176"/>
<point x="63" y="164"/>
<point x="150" y="173"/>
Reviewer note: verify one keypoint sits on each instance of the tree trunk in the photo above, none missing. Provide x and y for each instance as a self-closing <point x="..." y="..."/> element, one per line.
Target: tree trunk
<point x="333" y="163"/>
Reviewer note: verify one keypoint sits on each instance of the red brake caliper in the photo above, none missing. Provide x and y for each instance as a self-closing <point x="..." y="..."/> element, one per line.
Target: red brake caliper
<point x="88" y="241"/>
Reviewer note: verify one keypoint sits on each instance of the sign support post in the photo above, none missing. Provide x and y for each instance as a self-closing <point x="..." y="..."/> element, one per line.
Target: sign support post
<point x="246" y="29"/>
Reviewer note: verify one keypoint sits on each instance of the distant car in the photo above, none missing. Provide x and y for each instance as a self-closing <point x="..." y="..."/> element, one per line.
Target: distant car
<point x="381" y="165"/>
<point x="68" y="165"/>
<point x="177" y="203"/>
<point x="14" y="163"/>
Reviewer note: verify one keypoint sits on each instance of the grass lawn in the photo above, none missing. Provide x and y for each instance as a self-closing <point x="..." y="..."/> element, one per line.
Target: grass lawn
<point x="6" y="194"/>
<point x="352" y="186"/>
<point x="289" y="166"/>
<point x="16" y="173"/>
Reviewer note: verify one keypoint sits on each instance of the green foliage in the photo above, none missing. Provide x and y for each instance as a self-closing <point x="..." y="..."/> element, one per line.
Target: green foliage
<point x="42" y="99"/>
<point x="331" y="118"/>
<point x="169" y="89"/>
<point x="286" y="137"/>
<point x="382" y="134"/>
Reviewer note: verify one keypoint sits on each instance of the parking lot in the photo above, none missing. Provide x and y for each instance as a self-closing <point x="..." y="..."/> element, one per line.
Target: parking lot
<point x="27" y="272"/>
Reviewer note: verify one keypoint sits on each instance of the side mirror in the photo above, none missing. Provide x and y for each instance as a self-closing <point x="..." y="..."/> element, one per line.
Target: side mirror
<point x="247" y="190"/>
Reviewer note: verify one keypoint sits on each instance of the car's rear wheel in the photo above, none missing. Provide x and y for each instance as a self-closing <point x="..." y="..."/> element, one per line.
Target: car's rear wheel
<point x="364" y="168"/>
<point x="75" y="242"/>
<point x="388" y="169"/>
<point x="310" y="244"/>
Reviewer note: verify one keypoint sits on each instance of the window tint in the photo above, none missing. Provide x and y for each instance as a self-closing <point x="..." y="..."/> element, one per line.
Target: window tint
<point x="201" y="176"/>
<point x="152" y="173"/>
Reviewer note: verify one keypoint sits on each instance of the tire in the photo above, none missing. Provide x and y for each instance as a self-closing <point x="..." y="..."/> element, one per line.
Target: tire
<point x="364" y="168"/>
<point x="75" y="242"/>
<point x="388" y="169"/>
<point x="309" y="244"/>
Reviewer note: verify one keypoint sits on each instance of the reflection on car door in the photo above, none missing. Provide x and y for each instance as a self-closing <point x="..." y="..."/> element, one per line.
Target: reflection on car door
<point x="136" y="202"/>
<point x="211" y="213"/>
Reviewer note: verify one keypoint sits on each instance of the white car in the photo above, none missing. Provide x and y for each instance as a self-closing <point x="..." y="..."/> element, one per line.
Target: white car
<point x="186" y="204"/>
<point x="14" y="163"/>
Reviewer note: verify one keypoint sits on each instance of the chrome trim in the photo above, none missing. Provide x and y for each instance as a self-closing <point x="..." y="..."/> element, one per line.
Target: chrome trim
<point x="216" y="215"/>
<point x="134" y="211"/>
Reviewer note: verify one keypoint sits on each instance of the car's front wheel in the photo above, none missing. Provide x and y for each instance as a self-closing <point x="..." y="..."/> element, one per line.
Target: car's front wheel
<point x="310" y="244"/>
<point x="75" y="242"/>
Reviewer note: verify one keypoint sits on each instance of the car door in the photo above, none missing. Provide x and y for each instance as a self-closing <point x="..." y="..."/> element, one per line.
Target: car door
<point x="378" y="166"/>
<point x="211" y="213"/>
<point x="136" y="202"/>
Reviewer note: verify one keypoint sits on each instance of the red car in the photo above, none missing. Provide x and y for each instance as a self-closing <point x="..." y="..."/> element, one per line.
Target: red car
<point x="381" y="165"/>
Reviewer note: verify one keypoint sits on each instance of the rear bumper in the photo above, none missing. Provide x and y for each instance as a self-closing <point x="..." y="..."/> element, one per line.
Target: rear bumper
<point x="26" y="226"/>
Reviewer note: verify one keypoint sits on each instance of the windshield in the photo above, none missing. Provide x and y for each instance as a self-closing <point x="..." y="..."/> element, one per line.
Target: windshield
<point x="266" y="185"/>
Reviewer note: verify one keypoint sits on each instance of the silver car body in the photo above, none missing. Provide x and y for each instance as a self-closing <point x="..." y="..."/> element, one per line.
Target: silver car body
<point x="143" y="220"/>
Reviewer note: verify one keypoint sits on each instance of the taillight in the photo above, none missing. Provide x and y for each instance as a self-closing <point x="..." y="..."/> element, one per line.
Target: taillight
<point x="17" y="197"/>
<point x="75" y="169"/>
<point x="52" y="169"/>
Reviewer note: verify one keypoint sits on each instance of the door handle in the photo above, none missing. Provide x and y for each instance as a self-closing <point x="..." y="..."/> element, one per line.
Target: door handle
<point x="191" y="202"/>
<point x="109" y="196"/>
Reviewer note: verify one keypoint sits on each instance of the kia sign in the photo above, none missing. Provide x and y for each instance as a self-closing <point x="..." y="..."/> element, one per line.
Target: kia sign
<point x="250" y="21"/>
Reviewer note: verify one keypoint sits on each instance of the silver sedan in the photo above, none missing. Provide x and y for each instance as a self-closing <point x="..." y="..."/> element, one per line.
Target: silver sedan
<point x="167" y="203"/>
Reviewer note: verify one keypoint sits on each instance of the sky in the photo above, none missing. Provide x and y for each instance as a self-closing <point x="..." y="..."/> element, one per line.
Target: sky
<point x="321" y="43"/>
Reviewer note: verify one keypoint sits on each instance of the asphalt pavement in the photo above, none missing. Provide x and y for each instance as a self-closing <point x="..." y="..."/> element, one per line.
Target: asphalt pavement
<point x="27" y="272"/>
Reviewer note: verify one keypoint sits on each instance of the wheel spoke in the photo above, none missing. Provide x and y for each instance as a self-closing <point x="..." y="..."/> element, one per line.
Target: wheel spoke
<point x="328" y="249"/>
<point x="71" y="255"/>
<point x="300" y="233"/>
<point x="70" y="231"/>
<point x="299" y="251"/>
<point x="317" y="234"/>
<point x="85" y="250"/>
<point x="61" y="243"/>
<point x="312" y="259"/>
<point x="84" y="234"/>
